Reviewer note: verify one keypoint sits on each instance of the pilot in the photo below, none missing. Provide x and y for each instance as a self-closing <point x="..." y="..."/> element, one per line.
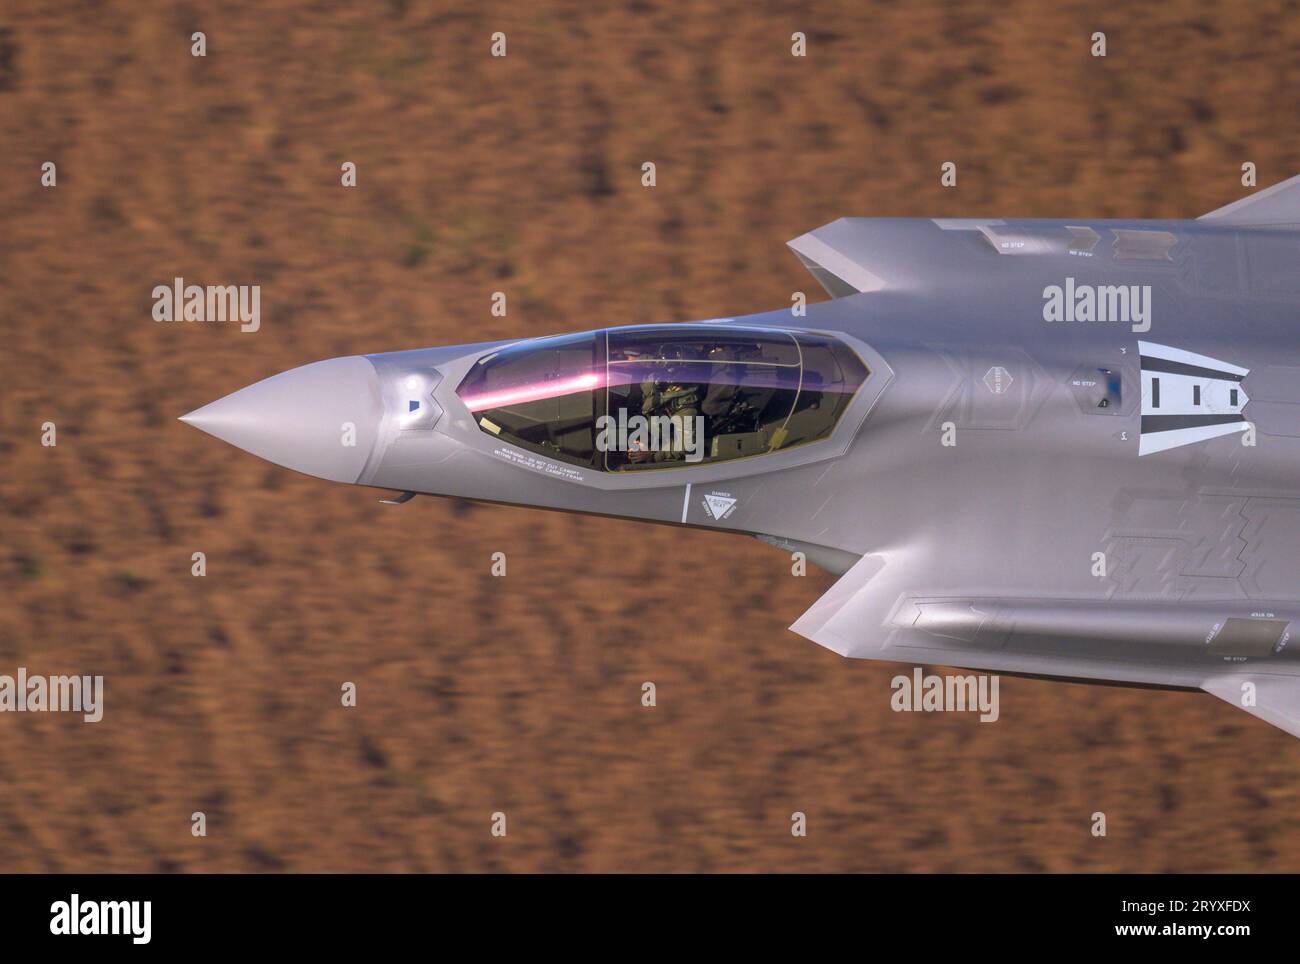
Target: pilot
<point x="727" y="401"/>
<point x="673" y="394"/>
<point x="723" y="389"/>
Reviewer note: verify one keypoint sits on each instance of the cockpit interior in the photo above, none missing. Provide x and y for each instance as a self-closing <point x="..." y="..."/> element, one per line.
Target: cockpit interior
<point x="663" y="396"/>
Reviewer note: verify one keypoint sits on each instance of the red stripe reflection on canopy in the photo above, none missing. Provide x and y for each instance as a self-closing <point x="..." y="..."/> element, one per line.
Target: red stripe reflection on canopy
<point x="534" y="391"/>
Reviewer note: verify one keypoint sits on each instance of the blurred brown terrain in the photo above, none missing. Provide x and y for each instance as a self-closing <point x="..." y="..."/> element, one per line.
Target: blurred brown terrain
<point x="522" y="174"/>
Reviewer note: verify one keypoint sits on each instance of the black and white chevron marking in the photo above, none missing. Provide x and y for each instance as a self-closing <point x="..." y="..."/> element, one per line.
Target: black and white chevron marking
<point x="1188" y="398"/>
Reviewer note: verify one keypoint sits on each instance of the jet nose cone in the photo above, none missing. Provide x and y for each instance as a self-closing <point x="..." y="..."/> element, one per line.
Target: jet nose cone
<point x="321" y="419"/>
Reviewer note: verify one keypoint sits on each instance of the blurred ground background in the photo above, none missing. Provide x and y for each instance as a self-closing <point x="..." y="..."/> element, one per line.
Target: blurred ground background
<point x="523" y="174"/>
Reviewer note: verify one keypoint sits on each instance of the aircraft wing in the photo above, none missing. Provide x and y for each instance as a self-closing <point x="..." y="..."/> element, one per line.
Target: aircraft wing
<point x="853" y="255"/>
<point x="853" y="611"/>
<point x="1274" y="699"/>
<point x="874" y="612"/>
<point x="1274" y="206"/>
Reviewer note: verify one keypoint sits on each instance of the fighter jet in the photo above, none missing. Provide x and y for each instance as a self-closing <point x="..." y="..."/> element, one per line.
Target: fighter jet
<point x="1065" y="449"/>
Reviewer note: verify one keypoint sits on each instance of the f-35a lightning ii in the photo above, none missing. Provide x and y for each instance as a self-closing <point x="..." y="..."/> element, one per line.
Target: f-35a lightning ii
<point x="1052" y="448"/>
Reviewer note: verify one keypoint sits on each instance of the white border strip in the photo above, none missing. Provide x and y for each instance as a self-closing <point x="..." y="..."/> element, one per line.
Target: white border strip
<point x="1149" y="349"/>
<point x="1152" y="442"/>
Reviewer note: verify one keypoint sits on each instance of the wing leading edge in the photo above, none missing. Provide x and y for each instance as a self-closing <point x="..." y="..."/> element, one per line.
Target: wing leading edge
<point x="854" y="255"/>
<point x="870" y="613"/>
<point x="1274" y="206"/>
<point x="1274" y="699"/>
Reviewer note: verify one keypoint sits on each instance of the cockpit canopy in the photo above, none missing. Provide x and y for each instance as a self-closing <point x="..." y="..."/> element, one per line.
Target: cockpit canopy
<point x="632" y="399"/>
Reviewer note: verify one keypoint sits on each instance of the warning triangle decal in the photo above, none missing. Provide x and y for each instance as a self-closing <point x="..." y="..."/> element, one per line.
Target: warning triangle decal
<point x="718" y="505"/>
